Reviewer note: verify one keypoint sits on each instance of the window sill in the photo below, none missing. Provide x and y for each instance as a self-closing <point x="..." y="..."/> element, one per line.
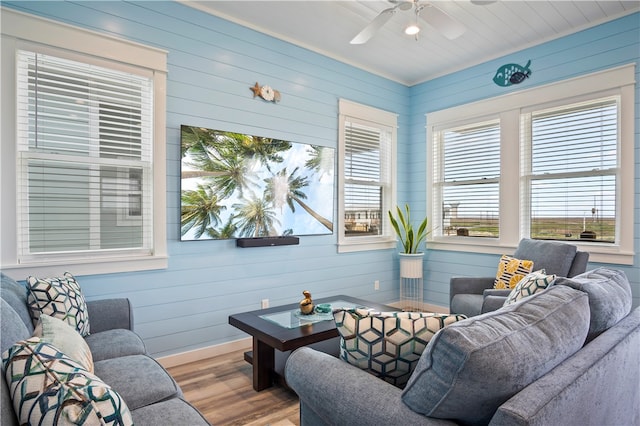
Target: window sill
<point x="84" y="267"/>
<point x="597" y="253"/>
<point x="350" y="247"/>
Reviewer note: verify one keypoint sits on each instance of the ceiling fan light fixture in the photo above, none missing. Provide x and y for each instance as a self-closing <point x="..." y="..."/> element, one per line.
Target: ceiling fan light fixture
<point x="412" y="29"/>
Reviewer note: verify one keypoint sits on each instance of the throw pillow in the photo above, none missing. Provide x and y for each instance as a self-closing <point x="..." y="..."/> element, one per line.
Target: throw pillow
<point x="387" y="344"/>
<point x="532" y="283"/>
<point x="462" y="374"/>
<point x="66" y="338"/>
<point x="511" y="271"/>
<point x="59" y="297"/>
<point x="47" y="387"/>
<point x="610" y="296"/>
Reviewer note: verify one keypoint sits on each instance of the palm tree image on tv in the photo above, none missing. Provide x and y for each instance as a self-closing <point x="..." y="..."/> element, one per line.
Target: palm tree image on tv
<point x="237" y="185"/>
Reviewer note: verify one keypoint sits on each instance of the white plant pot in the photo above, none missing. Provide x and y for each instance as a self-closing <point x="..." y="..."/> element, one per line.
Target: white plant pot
<point x="411" y="265"/>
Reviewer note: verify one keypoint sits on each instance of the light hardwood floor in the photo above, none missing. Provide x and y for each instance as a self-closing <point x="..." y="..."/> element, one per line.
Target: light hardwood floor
<point x="221" y="389"/>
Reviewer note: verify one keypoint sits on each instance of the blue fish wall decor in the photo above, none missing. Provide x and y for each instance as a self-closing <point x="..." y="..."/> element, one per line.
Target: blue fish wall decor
<point x="512" y="74"/>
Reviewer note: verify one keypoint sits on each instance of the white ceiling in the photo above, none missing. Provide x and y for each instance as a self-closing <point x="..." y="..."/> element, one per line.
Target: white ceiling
<point x="492" y="30"/>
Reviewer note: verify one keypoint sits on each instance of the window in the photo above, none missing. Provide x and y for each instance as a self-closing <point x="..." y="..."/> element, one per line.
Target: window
<point x="468" y="179"/>
<point x="84" y="132"/>
<point x="89" y="152"/>
<point x="570" y="171"/>
<point x="367" y="187"/>
<point x="546" y="163"/>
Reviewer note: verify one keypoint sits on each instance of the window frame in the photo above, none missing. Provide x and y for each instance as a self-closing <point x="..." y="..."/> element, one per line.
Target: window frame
<point x="619" y="81"/>
<point x="27" y="32"/>
<point x="373" y="117"/>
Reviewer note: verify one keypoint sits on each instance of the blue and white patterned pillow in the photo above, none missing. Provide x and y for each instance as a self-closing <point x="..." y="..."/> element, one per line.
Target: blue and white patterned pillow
<point x="387" y="344"/>
<point x="47" y="387"/>
<point x="59" y="297"/>
<point x="532" y="283"/>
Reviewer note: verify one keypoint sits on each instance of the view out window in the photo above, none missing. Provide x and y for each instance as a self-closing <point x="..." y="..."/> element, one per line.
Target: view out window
<point x="571" y="170"/>
<point x="467" y="181"/>
<point x="367" y="144"/>
<point x="85" y="157"/>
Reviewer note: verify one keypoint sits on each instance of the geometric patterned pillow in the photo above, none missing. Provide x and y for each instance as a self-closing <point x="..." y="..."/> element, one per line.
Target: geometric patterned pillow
<point x="47" y="387"/>
<point x="387" y="344"/>
<point x="60" y="298"/>
<point x="511" y="271"/>
<point x="533" y="283"/>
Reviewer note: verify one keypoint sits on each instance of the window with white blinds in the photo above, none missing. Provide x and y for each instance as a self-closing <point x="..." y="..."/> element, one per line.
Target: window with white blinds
<point x="556" y="163"/>
<point x="366" y="178"/>
<point x="467" y="179"/>
<point x="84" y="181"/>
<point x="367" y="167"/>
<point x="570" y="170"/>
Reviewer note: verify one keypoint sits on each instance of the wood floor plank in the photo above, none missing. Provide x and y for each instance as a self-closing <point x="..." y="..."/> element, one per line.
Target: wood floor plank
<point x="221" y="388"/>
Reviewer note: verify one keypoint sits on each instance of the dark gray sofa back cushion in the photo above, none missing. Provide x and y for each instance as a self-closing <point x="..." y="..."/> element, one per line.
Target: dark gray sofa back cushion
<point x="15" y="295"/>
<point x="555" y="257"/>
<point x="473" y="366"/>
<point x="13" y="329"/>
<point x="609" y="296"/>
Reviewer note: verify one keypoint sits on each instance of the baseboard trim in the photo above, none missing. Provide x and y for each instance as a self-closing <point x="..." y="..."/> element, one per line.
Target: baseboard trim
<point x="203" y="353"/>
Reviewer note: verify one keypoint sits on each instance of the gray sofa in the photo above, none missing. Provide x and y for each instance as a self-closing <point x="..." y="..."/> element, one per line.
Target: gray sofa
<point x="524" y="364"/>
<point x="119" y="356"/>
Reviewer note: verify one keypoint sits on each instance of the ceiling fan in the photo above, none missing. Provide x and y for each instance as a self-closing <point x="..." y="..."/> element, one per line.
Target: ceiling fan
<point x="432" y="15"/>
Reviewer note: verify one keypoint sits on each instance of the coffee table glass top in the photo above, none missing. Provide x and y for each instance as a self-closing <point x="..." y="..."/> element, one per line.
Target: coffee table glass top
<point x="294" y="319"/>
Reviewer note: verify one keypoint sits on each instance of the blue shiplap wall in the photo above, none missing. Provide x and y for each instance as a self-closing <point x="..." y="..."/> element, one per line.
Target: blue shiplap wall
<point x="212" y="63"/>
<point x="605" y="46"/>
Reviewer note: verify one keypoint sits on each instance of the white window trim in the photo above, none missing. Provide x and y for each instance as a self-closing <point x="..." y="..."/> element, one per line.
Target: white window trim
<point x="20" y="29"/>
<point x="348" y="109"/>
<point x="615" y="81"/>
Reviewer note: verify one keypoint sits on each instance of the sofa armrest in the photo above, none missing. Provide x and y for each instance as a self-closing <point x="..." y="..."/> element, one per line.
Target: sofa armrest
<point x="469" y="285"/>
<point x="339" y="393"/>
<point x="492" y="303"/>
<point x="109" y="314"/>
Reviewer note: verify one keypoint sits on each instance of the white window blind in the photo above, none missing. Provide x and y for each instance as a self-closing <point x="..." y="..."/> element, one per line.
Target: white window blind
<point x="367" y="178"/>
<point x="467" y="179"/>
<point x="571" y="171"/>
<point x="85" y="158"/>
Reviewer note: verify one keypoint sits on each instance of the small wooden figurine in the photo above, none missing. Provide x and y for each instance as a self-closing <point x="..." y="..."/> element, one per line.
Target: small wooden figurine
<point x="306" y="304"/>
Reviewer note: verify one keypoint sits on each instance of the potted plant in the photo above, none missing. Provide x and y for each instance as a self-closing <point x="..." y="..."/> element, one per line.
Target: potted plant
<point x="409" y="238"/>
<point x="411" y="285"/>
<point x="410" y="257"/>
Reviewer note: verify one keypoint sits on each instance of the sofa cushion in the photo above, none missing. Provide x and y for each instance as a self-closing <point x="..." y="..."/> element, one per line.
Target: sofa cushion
<point x="174" y="411"/>
<point x="139" y="379"/>
<point x="471" y="367"/>
<point x="15" y="294"/>
<point x="47" y="387"/>
<point x="64" y="337"/>
<point x="115" y="343"/>
<point x="59" y="297"/>
<point x="510" y="271"/>
<point x="532" y="283"/>
<point x="609" y="296"/>
<point x="387" y="344"/>
<point x="555" y="257"/>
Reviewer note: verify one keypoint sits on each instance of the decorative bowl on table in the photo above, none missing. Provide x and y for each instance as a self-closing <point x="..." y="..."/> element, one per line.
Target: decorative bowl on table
<point x="323" y="308"/>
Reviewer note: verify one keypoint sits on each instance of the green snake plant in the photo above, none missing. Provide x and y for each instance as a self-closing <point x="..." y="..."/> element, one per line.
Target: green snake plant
<point x="409" y="238"/>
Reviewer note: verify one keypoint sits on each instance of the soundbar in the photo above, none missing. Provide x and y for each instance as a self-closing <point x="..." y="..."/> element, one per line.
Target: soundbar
<point x="267" y="241"/>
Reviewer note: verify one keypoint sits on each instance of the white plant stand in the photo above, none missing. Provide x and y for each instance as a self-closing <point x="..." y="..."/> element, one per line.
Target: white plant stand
<point x="411" y="282"/>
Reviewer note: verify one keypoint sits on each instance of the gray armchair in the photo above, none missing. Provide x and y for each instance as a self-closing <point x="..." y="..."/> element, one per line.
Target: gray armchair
<point x="475" y="295"/>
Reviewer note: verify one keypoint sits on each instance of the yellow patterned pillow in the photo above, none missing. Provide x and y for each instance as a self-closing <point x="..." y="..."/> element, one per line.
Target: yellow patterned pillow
<point x="511" y="271"/>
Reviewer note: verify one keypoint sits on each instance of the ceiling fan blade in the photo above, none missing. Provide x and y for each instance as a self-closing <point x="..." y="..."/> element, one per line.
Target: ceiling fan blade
<point x="373" y="27"/>
<point x="442" y="22"/>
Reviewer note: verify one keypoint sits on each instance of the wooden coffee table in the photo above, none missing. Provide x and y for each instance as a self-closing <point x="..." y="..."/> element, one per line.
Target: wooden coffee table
<point x="284" y="329"/>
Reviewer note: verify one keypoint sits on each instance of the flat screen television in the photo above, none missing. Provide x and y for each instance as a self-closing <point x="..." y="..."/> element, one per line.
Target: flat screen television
<point x="235" y="185"/>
